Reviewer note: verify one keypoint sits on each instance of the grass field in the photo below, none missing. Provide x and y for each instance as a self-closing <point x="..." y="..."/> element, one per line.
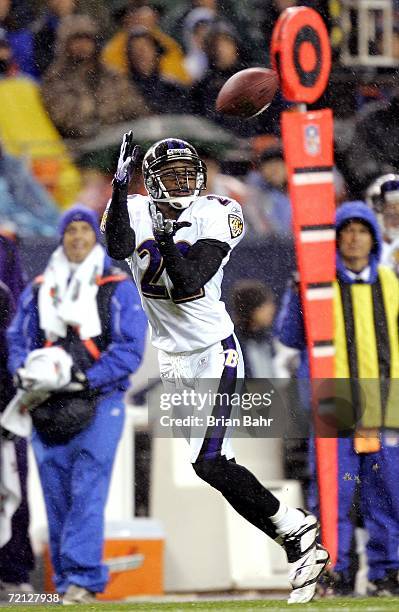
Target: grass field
<point x="328" y="605"/>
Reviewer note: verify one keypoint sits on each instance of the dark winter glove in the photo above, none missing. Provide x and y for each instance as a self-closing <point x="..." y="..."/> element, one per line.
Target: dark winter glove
<point x="164" y="229"/>
<point x="78" y="382"/>
<point x="128" y="158"/>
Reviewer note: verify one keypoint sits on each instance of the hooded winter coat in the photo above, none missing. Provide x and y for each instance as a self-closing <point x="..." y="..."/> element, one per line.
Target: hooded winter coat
<point x="365" y="322"/>
<point x="83" y="96"/>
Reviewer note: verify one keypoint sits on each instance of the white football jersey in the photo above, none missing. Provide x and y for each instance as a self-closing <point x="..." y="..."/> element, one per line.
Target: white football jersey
<point x="191" y="322"/>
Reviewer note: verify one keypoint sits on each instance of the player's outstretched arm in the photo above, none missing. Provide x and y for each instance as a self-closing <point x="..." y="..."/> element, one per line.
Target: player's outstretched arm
<point x="188" y="274"/>
<point x="119" y="235"/>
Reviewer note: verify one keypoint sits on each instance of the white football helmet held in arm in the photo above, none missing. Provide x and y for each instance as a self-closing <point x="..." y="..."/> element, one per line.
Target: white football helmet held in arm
<point x="173" y="173"/>
<point x="383" y="197"/>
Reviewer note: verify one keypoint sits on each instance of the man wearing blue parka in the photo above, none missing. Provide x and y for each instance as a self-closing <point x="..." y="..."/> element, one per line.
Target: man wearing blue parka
<point x="366" y="309"/>
<point x="93" y="312"/>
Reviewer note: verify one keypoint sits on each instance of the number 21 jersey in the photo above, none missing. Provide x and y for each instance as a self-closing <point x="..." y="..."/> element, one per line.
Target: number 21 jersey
<point x="185" y="322"/>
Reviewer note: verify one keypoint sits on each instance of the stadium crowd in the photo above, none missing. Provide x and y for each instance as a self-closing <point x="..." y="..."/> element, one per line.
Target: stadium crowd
<point x="72" y="72"/>
<point x="70" y="69"/>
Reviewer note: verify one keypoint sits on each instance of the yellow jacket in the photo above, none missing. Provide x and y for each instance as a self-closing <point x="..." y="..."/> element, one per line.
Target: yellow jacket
<point x="172" y="62"/>
<point x="26" y="130"/>
<point x="367" y="347"/>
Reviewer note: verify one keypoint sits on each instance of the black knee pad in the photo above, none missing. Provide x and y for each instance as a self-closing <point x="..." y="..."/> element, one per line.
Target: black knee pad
<point x="213" y="471"/>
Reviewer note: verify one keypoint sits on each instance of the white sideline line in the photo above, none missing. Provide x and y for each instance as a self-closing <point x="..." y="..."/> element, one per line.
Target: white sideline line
<point x="203" y="606"/>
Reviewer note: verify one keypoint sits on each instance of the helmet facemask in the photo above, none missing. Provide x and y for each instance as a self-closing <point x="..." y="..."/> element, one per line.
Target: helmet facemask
<point x="176" y="183"/>
<point x="175" y="177"/>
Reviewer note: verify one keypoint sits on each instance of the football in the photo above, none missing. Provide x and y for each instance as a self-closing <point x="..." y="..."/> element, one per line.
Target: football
<point x="247" y="93"/>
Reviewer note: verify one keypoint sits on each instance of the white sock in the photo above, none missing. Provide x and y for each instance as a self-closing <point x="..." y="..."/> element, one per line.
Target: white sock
<point x="287" y="519"/>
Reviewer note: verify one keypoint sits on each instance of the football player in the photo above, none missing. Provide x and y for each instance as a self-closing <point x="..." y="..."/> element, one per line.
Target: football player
<point x="383" y="196"/>
<point x="176" y="242"/>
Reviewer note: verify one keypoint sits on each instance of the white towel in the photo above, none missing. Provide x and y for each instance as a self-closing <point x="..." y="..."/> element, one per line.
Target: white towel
<point x="74" y="303"/>
<point x="16" y="418"/>
<point x="10" y="488"/>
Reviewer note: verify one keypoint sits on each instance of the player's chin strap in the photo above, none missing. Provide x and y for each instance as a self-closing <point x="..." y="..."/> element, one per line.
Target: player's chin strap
<point x="177" y="203"/>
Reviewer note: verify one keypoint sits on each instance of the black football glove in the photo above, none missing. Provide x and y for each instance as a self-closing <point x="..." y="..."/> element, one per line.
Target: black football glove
<point x="128" y="160"/>
<point x="164" y="228"/>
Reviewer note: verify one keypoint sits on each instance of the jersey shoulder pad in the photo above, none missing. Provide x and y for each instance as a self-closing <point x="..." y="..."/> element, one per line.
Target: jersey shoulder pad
<point x="217" y="203"/>
<point x="136" y="199"/>
<point x="221" y="214"/>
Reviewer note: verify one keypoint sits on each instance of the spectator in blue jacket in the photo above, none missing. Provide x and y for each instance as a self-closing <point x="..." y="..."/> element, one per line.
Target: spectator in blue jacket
<point x="93" y="312"/>
<point x="270" y="181"/>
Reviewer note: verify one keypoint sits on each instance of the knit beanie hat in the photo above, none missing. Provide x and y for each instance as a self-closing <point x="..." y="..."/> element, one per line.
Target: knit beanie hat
<point x="79" y="213"/>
